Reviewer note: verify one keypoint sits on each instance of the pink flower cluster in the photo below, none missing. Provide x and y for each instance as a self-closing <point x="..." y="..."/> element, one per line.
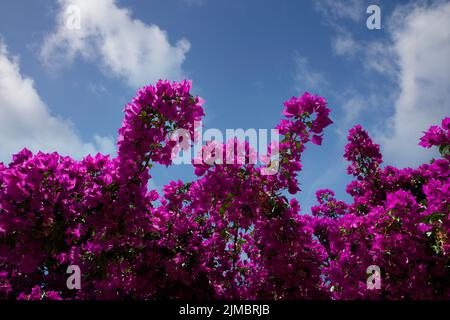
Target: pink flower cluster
<point x="438" y="136"/>
<point x="230" y="234"/>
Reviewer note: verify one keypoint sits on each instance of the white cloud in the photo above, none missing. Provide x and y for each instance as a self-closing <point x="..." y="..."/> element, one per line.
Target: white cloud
<point x="126" y="48"/>
<point x="421" y="41"/>
<point x="353" y="106"/>
<point x="341" y="9"/>
<point x="105" y="144"/>
<point x="25" y="120"/>
<point x="345" y="45"/>
<point x="97" y="89"/>
<point x="377" y="55"/>
<point x="356" y="106"/>
<point x="415" y="59"/>
<point x="307" y="79"/>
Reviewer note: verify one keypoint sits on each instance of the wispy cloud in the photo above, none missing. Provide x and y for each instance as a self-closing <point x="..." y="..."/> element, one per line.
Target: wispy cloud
<point x="97" y="89"/>
<point x="334" y="10"/>
<point x="375" y="55"/>
<point x="344" y="44"/>
<point x="307" y="78"/>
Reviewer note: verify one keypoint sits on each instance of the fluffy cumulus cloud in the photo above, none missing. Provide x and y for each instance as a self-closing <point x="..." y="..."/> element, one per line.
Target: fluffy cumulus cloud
<point x="126" y="48"/>
<point x="421" y="41"/>
<point x="414" y="57"/>
<point x="25" y="120"/>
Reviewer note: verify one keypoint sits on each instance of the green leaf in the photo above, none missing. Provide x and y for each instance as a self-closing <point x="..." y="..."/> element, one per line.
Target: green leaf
<point x="444" y="149"/>
<point x="436" y="216"/>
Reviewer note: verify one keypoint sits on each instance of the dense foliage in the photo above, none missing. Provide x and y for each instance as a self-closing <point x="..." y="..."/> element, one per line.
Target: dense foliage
<point x="232" y="233"/>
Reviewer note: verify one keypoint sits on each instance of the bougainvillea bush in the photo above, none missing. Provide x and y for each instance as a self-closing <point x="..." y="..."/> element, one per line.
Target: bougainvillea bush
<point x="230" y="234"/>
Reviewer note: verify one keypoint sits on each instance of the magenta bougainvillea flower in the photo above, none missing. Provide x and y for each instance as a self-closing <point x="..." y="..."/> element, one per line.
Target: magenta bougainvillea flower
<point x="230" y="234"/>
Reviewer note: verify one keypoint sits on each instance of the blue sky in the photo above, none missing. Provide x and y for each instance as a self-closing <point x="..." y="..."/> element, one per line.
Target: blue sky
<point x="64" y="89"/>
